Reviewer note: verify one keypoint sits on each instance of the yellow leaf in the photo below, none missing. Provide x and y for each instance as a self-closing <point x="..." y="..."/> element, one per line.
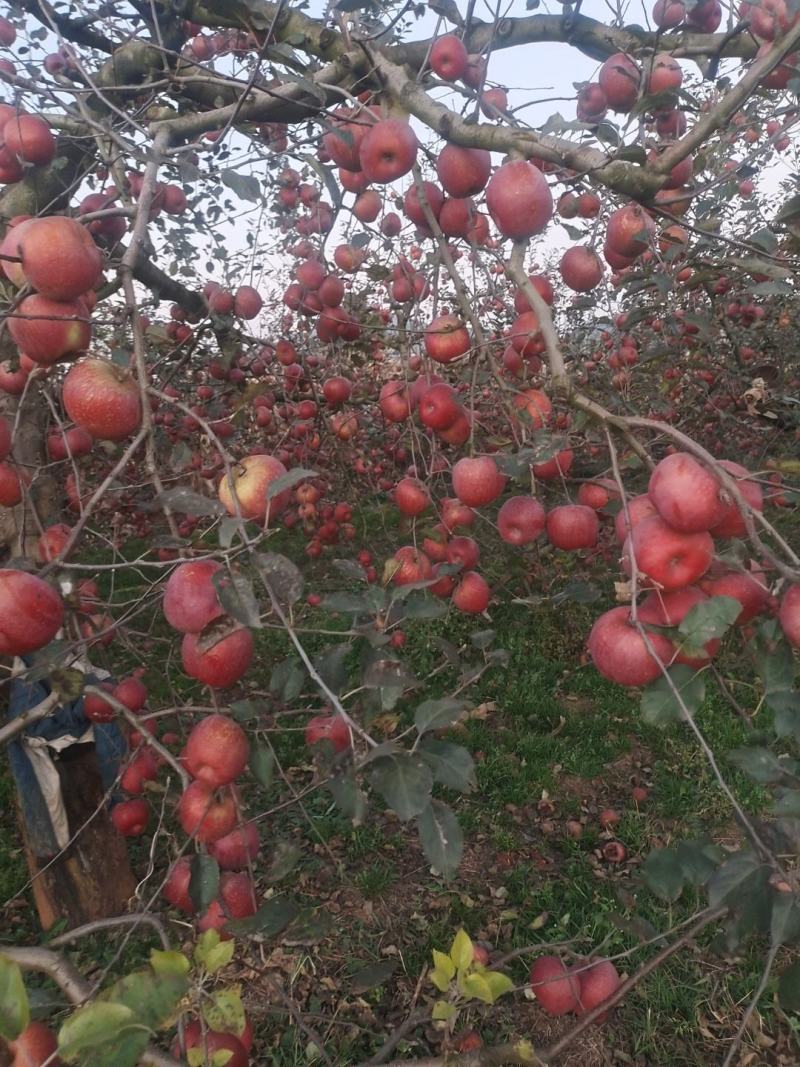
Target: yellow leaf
<point x="440" y="980"/>
<point x="475" y="985"/>
<point x="169" y="962"/>
<point x="462" y="951"/>
<point x="498" y="983"/>
<point x="526" y="1052"/>
<point x="443" y="963"/>
<point x="442" y="1011"/>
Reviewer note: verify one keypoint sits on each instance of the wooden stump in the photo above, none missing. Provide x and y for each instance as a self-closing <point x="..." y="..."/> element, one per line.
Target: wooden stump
<point x="92" y="878"/>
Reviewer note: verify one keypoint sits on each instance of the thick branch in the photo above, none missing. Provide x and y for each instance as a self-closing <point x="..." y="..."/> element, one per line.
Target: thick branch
<point x="78" y="31"/>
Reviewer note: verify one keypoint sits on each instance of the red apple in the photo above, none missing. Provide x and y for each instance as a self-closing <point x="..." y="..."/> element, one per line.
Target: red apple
<point x="59" y="258"/>
<point x="732" y="522"/>
<point x="477" y="480"/>
<point x="221" y="665"/>
<point x="176" y="885"/>
<point x="639" y="507"/>
<point x="597" y="983"/>
<point x="205" y="814"/>
<point x="519" y="200"/>
<point x="667" y="557"/>
<point x="411" y="497"/>
<point x="130" y="817"/>
<point x="520" y="520"/>
<point x="463" y="172"/>
<point x="30" y="138"/>
<point x="332" y="728"/>
<point x="789" y="615"/>
<point x="103" y="399"/>
<point x="448" y="57"/>
<point x="619" y="79"/>
<point x="251" y="479"/>
<point x="446" y="338"/>
<point x="237" y="849"/>
<point x="190" y="598"/>
<point x="49" y="330"/>
<point x="34" y="1047"/>
<point x="619" y="651"/>
<point x="572" y="526"/>
<point x="556" y="990"/>
<point x="685" y="494"/>
<point x="216" y="750"/>
<point x="471" y="594"/>
<point x="211" y="1042"/>
<point x="388" y="150"/>
<point x="581" y="268"/>
<point x="31" y="613"/>
<point x="463" y="551"/>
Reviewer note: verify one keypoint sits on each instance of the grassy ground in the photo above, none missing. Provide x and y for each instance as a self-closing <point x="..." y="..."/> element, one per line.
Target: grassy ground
<point x="553" y="742"/>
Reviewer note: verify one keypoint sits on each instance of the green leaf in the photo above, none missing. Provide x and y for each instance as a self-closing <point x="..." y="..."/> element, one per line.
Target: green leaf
<point x="441" y="837"/>
<point x="225" y="1011"/>
<point x="211" y="953"/>
<point x="785" y="706"/>
<point x="282" y="576"/>
<point x="421" y="606"/>
<point x="387" y="672"/>
<point x="789" y="988"/>
<point x="285" y="857"/>
<point x="348" y="796"/>
<point x="708" y="620"/>
<point x="663" y="873"/>
<point x="659" y="704"/>
<point x="287" y="680"/>
<point x="790" y="210"/>
<point x="332" y="666"/>
<point x="310" y="927"/>
<point x="787" y="803"/>
<point x="14" y="1007"/>
<point x="245" y="186"/>
<point x="154" y="1000"/>
<point x="372" y="976"/>
<point x="235" y="593"/>
<point x="272" y="917"/>
<point x="785" y="923"/>
<point x="188" y="502"/>
<point x="735" y="879"/>
<point x="761" y="764"/>
<point x="699" y="859"/>
<point x="169" y="962"/>
<point x="435" y="714"/>
<point x="462" y="952"/>
<point x="451" y="764"/>
<point x="262" y="764"/>
<point x="347" y="604"/>
<point x="204" y="881"/>
<point x="95" y="1024"/>
<point x="289" y="481"/>
<point x="405" y="783"/>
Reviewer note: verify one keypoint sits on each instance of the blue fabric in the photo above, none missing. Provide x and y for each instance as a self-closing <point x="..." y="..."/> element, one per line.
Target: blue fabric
<point x="110" y="747"/>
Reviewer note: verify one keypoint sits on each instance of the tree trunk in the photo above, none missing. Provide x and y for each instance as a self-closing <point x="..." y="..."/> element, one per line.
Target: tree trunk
<point x="92" y="878"/>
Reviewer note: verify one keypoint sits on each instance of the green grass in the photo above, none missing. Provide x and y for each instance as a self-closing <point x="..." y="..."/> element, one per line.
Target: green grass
<point x="552" y="728"/>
